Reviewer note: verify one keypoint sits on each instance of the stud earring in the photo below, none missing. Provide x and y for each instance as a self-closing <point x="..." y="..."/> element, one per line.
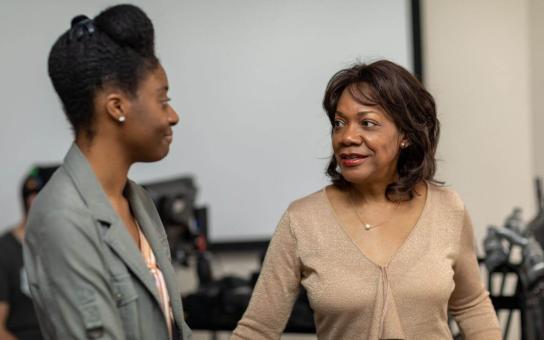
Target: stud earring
<point x="121" y="119"/>
<point x="402" y="145"/>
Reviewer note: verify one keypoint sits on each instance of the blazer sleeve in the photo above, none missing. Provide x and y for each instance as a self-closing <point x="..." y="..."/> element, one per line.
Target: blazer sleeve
<point x="276" y="290"/>
<point x="68" y="279"/>
<point x="469" y="303"/>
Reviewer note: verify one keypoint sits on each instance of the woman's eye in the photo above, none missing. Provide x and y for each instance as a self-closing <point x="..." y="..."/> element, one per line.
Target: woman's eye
<point x="165" y="102"/>
<point x="338" y="123"/>
<point x="368" y="123"/>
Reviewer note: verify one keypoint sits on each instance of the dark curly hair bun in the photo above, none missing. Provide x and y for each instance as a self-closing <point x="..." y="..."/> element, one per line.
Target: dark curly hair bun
<point x="128" y="26"/>
<point x="116" y="48"/>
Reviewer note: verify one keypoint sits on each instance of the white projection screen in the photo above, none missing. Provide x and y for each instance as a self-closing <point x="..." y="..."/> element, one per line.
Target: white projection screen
<point x="247" y="79"/>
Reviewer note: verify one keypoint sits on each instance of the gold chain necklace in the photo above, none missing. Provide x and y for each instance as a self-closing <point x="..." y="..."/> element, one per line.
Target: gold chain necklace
<point x="369" y="226"/>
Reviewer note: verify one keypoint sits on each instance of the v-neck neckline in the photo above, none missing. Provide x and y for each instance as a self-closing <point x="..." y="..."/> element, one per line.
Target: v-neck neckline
<point x="407" y="240"/>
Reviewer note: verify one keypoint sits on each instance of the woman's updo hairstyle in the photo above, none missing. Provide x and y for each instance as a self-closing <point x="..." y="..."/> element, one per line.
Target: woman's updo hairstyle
<point x="116" y="48"/>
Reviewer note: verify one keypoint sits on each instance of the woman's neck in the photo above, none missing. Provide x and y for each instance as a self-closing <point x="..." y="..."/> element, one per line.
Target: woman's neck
<point x="109" y="163"/>
<point x="19" y="230"/>
<point x="371" y="191"/>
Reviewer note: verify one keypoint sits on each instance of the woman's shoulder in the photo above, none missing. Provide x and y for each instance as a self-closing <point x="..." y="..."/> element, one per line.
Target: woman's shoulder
<point x="446" y="196"/>
<point x="56" y="207"/>
<point x="59" y="193"/>
<point x="309" y="203"/>
<point x="308" y="214"/>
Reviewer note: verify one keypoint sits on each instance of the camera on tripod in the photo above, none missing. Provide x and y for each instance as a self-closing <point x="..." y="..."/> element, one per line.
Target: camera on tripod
<point x="499" y="243"/>
<point x="186" y="223"/>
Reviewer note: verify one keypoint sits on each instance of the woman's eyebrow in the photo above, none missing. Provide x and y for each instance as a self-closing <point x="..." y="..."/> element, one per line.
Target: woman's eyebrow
<point x="360" y="113"/>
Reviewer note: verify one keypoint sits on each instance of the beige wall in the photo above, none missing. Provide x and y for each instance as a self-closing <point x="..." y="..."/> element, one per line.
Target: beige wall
<point x="476" y="60"/>
<point x="536" y="10"/>
<point x="482" y="64"/>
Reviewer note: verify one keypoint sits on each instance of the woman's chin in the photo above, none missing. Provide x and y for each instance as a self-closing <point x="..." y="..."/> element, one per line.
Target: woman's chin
<point x="154" y="157"/>
<point x="355" y="177"/>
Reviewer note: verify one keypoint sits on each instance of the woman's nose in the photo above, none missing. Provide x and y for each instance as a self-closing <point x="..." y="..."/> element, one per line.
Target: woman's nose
<point x="173" y="117"/>
<point x="352" y="136"/>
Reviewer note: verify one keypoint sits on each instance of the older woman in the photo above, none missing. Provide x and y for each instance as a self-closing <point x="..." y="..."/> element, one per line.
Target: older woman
<point x="385" y="251"/>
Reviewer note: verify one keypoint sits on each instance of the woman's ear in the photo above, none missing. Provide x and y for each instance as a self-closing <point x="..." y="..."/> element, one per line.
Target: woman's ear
<point x="117" y="105"/>
<point x="404" y="142"/>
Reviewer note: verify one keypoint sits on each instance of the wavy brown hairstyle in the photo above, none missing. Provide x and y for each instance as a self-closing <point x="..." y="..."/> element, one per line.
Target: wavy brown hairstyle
<point x="413" y="110"/>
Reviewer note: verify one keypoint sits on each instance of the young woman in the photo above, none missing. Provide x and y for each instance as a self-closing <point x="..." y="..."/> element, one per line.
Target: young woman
<point x="96" y="253"/>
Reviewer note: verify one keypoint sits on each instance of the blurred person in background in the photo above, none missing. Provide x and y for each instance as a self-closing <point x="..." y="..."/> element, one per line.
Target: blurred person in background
<point x="17" y="317"/>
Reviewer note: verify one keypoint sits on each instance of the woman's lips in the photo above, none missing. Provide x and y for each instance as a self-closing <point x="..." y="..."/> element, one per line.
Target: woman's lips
<point x="169" y="138"/>
<point x="351" y="160"/>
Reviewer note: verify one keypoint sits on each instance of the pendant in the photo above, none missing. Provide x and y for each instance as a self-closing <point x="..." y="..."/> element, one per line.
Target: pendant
<point x="367" y="226"/>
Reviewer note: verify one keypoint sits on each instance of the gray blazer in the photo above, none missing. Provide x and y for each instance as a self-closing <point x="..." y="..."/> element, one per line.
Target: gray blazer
<point x="87" y="276"/>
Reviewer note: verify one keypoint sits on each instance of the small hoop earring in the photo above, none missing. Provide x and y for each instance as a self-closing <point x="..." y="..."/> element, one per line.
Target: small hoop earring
<point x="121" y="119"/>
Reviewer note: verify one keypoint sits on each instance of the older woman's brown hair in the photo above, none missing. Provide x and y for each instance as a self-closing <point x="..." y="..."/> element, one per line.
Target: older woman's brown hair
<point x="412" y="108"/>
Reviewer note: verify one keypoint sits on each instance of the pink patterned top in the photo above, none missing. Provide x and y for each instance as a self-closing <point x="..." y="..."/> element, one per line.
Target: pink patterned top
<point x="153" y="267"/>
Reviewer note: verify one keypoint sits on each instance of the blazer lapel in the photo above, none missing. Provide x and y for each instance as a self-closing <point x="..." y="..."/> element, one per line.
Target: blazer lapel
<point x="120" y="241"/>
<point x="150" y="223"/>
<point x="116" y="236"/>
